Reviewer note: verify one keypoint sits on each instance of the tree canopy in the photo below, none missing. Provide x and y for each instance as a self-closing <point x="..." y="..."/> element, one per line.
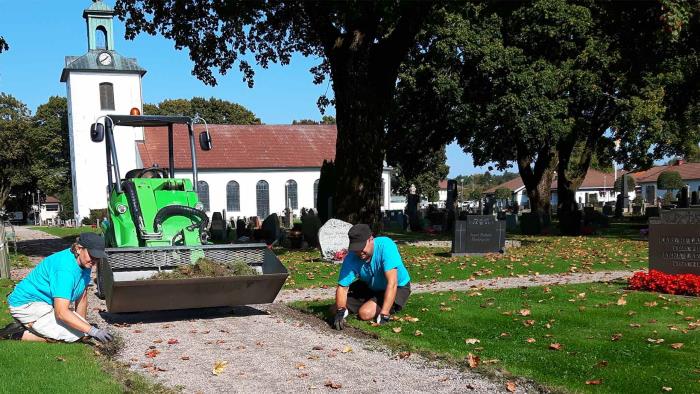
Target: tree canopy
<point x="214" y="111"/>
<point x="360" y="45"/>
<point x="3" y="45"/>
<point x="15" y="123"/>
<point x="326" y="119"/>
<point x="669" y="180"/>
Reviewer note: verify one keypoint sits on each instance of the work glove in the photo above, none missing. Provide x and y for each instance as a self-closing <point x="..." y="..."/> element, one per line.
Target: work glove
<point x="383" y="319"/>
<point x="100" y="334"/>
<point x="339" y="320"/>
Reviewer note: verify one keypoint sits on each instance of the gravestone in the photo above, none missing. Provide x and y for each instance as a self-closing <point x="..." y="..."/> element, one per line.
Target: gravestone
<point x="270" y="229"/>
<point x="412" y="209"/>
<point x="683" y="201"/>
<point x="674" y="241"/>
<point x="451" y="203"/>
<point x="310" y="225"/>
<point x="477" y="235"/>
<point x="511" y="222"/>
<point x="333" y="237"/>
<point x="218" y="227"/>
<point x="241" y="228"/>
<point x="694" y="198"/>
<point x="608" y="209"/>
<point x="652" y="211"/>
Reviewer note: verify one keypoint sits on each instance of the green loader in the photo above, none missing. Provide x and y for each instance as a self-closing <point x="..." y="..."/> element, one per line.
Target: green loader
<point x="156" y="223"/>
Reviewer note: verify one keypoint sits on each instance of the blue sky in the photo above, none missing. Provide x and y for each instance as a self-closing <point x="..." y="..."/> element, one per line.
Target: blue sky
<point x="42" y="33"/>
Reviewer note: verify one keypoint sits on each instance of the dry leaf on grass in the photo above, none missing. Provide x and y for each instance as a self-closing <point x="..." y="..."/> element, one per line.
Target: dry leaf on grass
<point x="621" y="301"/>
<point x="418" y="333"/>
<point x="61" y="359"/>
<point x="524" y="312"/>
<point x="510" y="386"/>
<point x="529" y="323"/>
<point x="666" y="389"/>
<point x="677" y="345"/>
<point x="473" y="360"/>
<point x="594" y="382"/>
<point x="219" y="367"/>
<point x="396" y="329"/>
<point x="616" y="337"/>
<point x="471" y="341"/>
<point x="531" y="340"/>
<point x="555" y="346"/>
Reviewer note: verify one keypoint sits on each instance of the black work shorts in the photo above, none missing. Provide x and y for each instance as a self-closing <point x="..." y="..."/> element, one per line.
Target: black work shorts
<point x="359" y="293"/>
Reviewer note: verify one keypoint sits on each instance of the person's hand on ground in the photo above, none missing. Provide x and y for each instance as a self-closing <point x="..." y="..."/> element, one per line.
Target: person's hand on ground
<point x="100" y="334"/>
<point x="383" y="319"/>
<point x="339" y="320"/>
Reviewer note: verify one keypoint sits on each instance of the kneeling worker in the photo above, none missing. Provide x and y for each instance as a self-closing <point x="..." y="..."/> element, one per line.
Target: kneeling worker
<point x="40" y="303"/>
<point x="373" y="280"/>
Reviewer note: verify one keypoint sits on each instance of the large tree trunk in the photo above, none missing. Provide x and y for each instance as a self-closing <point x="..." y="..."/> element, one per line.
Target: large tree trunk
<point x="538" y="179"/>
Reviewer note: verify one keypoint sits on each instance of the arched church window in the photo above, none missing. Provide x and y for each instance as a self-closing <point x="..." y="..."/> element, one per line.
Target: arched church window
<point x="233" y="197"/>
<point x="316" y="193"/>
<point x="101" y="37"/>
<point x="291" y="200"/>
<point x="106" y="96"/>
<point x="262" y="198"/>
<point x="203" y="194"/>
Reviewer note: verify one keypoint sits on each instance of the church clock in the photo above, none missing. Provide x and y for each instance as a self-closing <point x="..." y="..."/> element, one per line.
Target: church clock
<point x="104" y="58"/>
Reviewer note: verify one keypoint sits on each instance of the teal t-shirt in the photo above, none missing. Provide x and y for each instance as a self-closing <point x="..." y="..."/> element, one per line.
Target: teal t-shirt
<point x="384" y="258"/>
<point x="57" y="276"/>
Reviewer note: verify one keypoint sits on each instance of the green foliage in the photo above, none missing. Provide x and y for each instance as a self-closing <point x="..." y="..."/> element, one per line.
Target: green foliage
<point x="15" y="146"/>
<point x="631" y="183"/>
<point x="50" y="157"/>
<point x="66" y="199"/>
<point x="503" y="193"/>
<point x="3" y="45"/>
<point x="326" y="120"/>
<point x="214" y="111"/>
<point x="95" y="217"/>
<point x="326" y="187"/>
<point x="669" y="180"/>
<point x="425" y="172"/>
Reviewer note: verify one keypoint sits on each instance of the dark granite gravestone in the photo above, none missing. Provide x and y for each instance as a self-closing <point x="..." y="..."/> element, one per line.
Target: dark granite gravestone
<point x="412" y="211"/>
<point x="694" y="198"/>
<point x="652" y="212"/>
<point x="218" y="227"/>
<point x="310" y="224"/>
<point x="241" y="228"/>
<point x="270" y="229"/>
<point x="674" y="242"/>
<point x="511" y="222"/>
<point x="477" y="235"/>
<point x="608" y="209"/>
<point x="451" y="203"/>
<point x="683" y="201"/>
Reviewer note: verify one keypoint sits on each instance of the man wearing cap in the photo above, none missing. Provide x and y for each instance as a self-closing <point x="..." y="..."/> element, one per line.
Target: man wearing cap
<point x="373" y="280"/>
<point x="40" y="303"/>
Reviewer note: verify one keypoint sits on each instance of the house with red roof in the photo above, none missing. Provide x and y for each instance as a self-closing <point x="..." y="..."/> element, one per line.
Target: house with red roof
<point x="596" y="183"/>
<point x="253" y="170"/>
<point x="646" y="180"/>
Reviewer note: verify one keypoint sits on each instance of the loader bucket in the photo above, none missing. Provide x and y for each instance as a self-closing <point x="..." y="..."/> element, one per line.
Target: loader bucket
<point x="123" y="278"/>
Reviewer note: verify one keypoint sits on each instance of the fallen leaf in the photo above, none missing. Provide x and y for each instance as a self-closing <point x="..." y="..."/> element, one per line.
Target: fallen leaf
<point x="677" y="345"/>
<point x="403" y="355"/>
<point x="418" y="333"/>
<point x="510" y="386"/>
<point x="594" y="382"/>
<point x="621" y="301"/>
<point x="137" y="331"/>
<point x="666" y="389"/>
<point x="396" y="329"/>
<point x="185" y="358"/>
<point x="61" y="359"/>
<point x="332" y="385"/>
<point x="531" y="340"/>
<point x="411" y="319"/>
<point x="317" y="348"/>
<point x="346" y="349"/>
<point x="172" y="341"/>
<point x="529" y="323"/>
<point x="219" y="367"/>
<point x="657" y="341"/>
<point x="157" y="340"/>
<point x="616" y="337"/>
<point x="524" y="312"/>
<point x="152" y="353"/>
<point x="471" y="341"/>
<point x="651" y="304"/>
<point x="473" y="360"/>
<point x="300" y="366"/>
<point x="635" y="325"/>
<point x="602" y="363"/>
<point x="555" y="346"/>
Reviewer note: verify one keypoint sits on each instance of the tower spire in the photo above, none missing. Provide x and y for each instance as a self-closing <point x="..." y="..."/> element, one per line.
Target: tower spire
<point x="100" y="30"/>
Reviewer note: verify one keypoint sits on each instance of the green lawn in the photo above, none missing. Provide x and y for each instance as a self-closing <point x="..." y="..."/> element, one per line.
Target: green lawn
<point x="67" y="233"/>
<point x="537" y="255"/>
<point x="41" y="367"/>
<point x="627" y="341"/>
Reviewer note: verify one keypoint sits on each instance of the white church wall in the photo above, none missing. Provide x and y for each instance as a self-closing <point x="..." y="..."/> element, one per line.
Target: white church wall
<point x="88" y="158"/>
<point x="276" y="179"/>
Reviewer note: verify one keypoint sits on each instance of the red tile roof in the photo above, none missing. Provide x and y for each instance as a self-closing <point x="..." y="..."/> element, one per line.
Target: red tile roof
<point x="594" y="179"/>
<point x="249" y="146"/>
<point x="442" y="184"/>
<point x="687" y="171"/>
<point x="51" y="200"/>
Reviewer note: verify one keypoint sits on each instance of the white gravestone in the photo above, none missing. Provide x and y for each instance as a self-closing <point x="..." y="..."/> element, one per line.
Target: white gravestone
<point x="333" y="237"/>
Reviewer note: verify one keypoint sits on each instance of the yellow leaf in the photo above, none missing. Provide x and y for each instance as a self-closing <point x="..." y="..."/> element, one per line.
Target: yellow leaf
<point x="666" y="388"/>
<point x="396" y="329"/>
<point x="418" y="333"/>
<point x="677" y="345"/>
<point x="473" y="360"/>
<point x="622" y="301"/>
<point x="471" y="341"/>
<point x="219" y="367"/>
<point x="348" y="349"/>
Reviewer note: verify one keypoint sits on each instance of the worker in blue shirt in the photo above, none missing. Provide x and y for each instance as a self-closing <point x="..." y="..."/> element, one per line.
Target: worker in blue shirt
<point x="41" y="303"/>
<point x="373" y="281"/>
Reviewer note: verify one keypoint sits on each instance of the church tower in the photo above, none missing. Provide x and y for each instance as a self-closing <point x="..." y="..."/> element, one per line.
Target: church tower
<point x="98" y="83"/>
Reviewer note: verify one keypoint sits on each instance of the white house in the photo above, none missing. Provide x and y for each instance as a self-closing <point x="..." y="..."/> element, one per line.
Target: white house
<point x="253" y="170"/>
<point x="48" y="210"/>
<point x="596" y="183"/>
<point x="646" y="180"/>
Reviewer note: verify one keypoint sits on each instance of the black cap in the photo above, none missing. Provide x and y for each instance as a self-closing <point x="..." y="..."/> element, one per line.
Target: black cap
<point x="94" y="244"/>
<point x="358" y="234"/>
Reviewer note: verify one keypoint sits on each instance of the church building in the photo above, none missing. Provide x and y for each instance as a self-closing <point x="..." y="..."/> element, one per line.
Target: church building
<point x="252" y="170"/>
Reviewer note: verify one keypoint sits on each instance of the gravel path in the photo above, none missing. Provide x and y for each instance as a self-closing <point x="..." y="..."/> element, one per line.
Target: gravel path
<point x="272" y="348"/>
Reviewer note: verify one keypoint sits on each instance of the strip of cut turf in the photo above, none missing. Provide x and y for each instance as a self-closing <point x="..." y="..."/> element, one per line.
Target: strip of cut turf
<point x="67" y="233"/>
<point x="537" y="255"/>
<point x="560" y="336"/>
<point x="42" y="367"/>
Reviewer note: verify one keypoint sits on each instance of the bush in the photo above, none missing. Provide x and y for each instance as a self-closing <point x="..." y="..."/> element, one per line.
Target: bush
<point x="683" y="284"/>
<point x="503" y="193"/>
<point x="669" y="180"/>
<point x="95" y="217"/>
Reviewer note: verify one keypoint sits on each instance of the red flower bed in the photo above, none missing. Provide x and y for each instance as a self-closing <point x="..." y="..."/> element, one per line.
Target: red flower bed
<point x="683" y="284"/>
